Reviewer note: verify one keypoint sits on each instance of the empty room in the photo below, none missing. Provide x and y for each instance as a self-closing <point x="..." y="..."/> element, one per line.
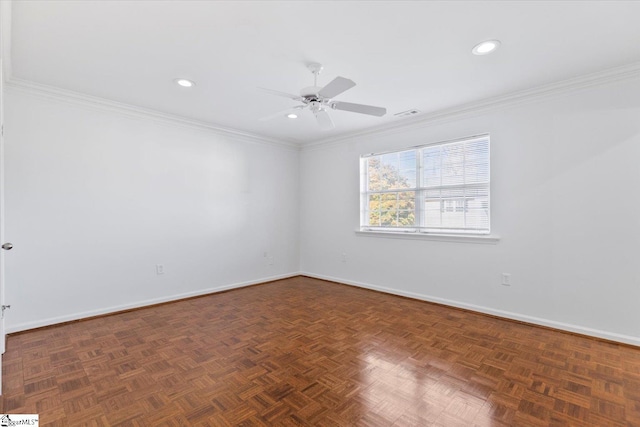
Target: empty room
<point x="320" y="213"/>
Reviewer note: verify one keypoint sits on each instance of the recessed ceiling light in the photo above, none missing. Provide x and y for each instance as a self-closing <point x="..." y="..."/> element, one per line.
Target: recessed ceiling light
<point x="485" y="47"/>
<point x="184" y="82"/>
<point x="292" y="116"/>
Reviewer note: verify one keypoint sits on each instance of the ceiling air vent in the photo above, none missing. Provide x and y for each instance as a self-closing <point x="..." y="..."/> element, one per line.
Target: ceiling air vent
<point x="408" y="113"/>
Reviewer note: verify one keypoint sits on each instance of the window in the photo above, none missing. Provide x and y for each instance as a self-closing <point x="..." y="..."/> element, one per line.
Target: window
<point x="438" y="188"/>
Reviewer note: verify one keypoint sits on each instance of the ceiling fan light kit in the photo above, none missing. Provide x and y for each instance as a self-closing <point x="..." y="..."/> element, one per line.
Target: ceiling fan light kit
<point x="319" y="100"/>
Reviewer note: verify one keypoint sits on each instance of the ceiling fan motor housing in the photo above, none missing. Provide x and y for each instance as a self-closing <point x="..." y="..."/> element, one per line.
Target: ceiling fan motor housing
<point x="310" y="91"/>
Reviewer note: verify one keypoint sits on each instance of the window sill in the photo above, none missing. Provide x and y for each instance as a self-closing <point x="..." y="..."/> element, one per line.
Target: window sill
<point x="463" y="238"/>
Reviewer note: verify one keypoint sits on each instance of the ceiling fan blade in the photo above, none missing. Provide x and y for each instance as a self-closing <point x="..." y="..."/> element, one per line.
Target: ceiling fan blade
<point x="324" y="120"/>
<point x="359" y="108"/>
<point x="278" y="93"/>
<point x="335" y="87"/>
<point x="281" y="113"/>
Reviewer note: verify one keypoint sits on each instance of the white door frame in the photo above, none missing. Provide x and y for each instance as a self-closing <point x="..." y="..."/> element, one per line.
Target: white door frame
<point x="5" y="22"/>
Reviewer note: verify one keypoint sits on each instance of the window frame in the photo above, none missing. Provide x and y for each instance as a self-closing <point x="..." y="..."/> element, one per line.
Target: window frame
<point x="419" y="227"/>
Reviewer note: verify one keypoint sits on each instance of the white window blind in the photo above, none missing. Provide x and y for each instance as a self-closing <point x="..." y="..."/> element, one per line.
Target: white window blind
<point x="437" y="188"/>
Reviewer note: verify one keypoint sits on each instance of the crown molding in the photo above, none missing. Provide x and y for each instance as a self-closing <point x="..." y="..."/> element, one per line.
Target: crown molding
<point x="89" y="101"/>
<point x="626" y="72"/>
<point x="471" y="109"/>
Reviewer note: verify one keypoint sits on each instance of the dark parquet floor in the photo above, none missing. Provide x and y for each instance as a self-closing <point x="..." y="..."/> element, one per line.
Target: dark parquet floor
<point x="304" y="352"/>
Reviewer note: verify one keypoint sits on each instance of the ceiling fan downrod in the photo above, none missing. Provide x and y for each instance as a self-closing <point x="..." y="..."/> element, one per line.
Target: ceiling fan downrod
<point x="315" y="69"/>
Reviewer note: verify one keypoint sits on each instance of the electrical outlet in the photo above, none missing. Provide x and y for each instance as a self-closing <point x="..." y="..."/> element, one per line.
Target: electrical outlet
<point x="506" y="279"/>
<point x="159" y="269"/>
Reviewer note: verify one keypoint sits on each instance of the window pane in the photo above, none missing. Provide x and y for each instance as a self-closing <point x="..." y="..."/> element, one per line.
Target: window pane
<point x="388" y="219"/>
<point x="374" y="218"/>
<point x="454" y="187"/>
<point x="477" y="161"/>
<point x="432" y="210"/>
<point x="478" y="211"/>
<point x="392" y="171"/>
<point x="452" y="165"/>
<point x="431" y="166"/>
<point x="374" y="202"/>
<point x="396" y="209"/>
<point x="407" y="169"/>
<point x="457" y="208"/>
<point x="373" y="174"/>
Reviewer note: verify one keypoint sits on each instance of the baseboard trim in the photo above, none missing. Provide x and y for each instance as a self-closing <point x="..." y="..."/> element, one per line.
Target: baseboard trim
<point x="566" y="327"/>
<point x="21" y="327"/>
<point x="552" y="324"/>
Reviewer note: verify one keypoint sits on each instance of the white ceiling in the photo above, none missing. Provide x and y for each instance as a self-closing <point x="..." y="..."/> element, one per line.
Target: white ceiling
<point x="402" y="55"/>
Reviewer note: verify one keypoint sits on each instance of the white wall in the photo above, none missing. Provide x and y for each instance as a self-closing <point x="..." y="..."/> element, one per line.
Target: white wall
<point x="565" y="202"/>
<point x="95" y="199"/>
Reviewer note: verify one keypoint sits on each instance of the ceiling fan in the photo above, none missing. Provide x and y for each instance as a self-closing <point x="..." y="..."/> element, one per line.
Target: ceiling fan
<point x="319" y="100"/>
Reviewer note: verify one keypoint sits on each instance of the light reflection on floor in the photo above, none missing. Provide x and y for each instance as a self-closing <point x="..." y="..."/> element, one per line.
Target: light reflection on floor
<point x="404" y="391"/>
